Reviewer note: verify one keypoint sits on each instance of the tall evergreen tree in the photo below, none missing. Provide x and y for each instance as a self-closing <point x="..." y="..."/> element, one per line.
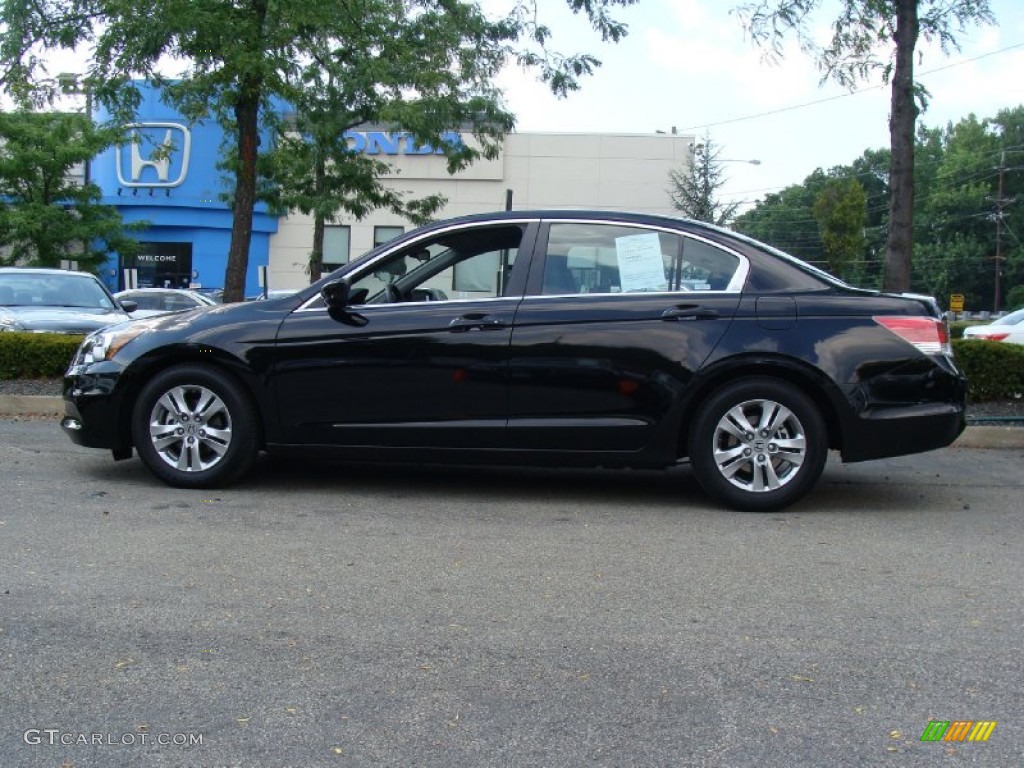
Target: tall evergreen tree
<point x="695" y="191"/>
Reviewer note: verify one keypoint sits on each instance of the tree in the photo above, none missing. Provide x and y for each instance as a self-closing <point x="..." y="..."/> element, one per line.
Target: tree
<point x="841" y="211"/>
<point x="786" y="220"/>
<point x="311" y="167"/>
<point x="859" y="33"/>
<point x="238" y="57"/>
<point x="45" y="215"/>
<point x="695" y="190"/>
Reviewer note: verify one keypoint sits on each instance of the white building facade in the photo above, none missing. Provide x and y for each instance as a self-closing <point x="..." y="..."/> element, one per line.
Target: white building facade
<point x="533" y="170"/>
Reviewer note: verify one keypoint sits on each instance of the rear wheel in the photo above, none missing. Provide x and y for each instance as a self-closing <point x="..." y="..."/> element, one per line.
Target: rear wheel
<point x="194" y="427"/>
<point x="758" y="444"/>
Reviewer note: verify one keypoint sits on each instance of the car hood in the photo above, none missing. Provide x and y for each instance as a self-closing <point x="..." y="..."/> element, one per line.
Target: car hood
<point x="64" y="319"/>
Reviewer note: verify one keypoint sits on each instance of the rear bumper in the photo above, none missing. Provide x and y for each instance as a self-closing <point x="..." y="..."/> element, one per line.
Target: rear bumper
<point x="879" y="433"/>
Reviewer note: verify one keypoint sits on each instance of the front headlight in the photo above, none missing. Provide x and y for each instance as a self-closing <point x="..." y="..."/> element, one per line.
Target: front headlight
<point x="104" y="344"/>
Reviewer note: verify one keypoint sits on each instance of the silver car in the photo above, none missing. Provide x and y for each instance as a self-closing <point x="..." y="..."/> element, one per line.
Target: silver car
<point x="163" y="301"/>
<point x="56" y="301"/>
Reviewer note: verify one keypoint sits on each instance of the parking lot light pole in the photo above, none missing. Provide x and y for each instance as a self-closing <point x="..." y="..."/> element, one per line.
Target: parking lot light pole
<point x="69" y="85"/>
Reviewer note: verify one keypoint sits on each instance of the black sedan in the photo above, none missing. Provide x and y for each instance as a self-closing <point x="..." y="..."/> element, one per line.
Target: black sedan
<point x="545" y="337"/>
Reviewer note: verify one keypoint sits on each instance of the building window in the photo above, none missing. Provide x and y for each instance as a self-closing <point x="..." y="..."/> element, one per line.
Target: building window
<point x="382" y="234"/>
<point x="336" y="247"/>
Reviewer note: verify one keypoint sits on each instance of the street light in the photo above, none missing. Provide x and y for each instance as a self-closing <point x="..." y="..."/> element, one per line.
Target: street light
<point x="69" y="85"/>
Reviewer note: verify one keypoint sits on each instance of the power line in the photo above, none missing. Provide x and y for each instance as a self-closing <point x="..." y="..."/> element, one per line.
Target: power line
<point x="854" y="92"/>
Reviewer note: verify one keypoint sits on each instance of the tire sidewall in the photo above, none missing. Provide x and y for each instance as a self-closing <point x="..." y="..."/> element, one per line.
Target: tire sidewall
<point x="242" y="449"/>
<point x="711" y="411"/>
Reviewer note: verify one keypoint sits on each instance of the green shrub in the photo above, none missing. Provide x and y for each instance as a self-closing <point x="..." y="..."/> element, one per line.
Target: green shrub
<point x="36" y="355"/>
<point x="1015" y="298"/>
<point x="995" y="371"/>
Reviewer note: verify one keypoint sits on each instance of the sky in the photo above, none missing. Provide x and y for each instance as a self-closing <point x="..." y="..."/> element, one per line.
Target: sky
<point x="688" y="64"/>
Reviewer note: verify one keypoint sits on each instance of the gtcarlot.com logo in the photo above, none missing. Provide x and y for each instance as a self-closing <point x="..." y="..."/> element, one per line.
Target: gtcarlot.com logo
<point x="57" y="737"/>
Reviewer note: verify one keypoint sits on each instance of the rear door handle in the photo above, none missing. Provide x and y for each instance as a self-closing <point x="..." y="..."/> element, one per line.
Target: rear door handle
<point x="689" y="312"/>
<point x="475" y="321"/>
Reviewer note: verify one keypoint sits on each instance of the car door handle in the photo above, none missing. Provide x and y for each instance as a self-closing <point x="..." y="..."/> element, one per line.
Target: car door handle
<point x="475" y="322"/>
<point x="689" y="312"/>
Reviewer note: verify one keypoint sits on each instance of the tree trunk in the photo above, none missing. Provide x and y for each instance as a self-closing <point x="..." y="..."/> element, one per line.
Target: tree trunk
<point x="247" y="116"/>
<point x="316" y="258"/>
<point x="902" y="119"/>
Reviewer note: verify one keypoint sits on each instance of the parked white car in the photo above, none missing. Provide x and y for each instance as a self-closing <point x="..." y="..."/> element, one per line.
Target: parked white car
<point x="1009" y="328"/>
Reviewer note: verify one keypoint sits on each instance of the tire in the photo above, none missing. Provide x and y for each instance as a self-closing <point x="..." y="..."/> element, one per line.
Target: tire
<point x="194" y="427"/>
<point x="758" y="444"/>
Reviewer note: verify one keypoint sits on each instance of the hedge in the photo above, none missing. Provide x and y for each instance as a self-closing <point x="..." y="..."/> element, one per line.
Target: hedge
<point x="995" y="370"/>
<point x="36" y="355"/>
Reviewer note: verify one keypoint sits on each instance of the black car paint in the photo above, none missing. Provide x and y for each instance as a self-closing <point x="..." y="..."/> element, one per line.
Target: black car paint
<point x="556" y="377"/>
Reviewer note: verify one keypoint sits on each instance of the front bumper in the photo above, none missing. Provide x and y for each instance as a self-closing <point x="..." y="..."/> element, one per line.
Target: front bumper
<point x="92" y="414"/>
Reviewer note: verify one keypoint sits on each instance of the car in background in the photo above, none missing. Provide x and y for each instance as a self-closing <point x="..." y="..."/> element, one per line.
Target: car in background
<point x="276" y="293"/>
<point x="574" y="338"/>
<point x="56" y="301"/>
<point x="161" y="301"/>
<point x="1008" y="328"/>
<point x="217" y="294"/>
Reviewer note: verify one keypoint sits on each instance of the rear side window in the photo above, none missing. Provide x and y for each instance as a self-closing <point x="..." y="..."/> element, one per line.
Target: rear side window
<point x="609" y="258"/>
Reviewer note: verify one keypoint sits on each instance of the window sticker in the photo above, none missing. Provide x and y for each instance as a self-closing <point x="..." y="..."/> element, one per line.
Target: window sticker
<point x="641" y="266"/>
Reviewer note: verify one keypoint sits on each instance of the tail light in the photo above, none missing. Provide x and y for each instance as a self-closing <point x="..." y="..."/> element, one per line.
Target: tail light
<point x="927" y="334"/>
<point x="990" y="336"/>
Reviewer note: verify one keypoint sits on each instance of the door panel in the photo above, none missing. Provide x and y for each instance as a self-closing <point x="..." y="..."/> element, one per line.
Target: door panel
<point x="423" y="374"/>
<point x="616" y="321"/>
<point x="603" y="372"/>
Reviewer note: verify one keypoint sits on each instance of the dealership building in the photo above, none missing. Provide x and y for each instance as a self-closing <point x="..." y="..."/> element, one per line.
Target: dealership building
<point x="168" y="178"/>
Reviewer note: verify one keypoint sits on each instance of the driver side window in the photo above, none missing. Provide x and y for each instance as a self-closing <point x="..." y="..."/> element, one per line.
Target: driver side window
<point x="469" y="263"/>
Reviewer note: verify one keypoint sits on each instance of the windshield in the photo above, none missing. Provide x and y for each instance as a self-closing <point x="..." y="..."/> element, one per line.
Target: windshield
<point x="52" y="290"/>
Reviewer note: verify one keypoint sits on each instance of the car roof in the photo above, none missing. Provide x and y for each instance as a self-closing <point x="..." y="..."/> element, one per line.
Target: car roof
<point x="580" y="213"/>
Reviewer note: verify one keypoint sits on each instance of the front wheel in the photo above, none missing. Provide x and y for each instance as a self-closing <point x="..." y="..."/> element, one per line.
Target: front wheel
<point x="758" y="445"/>
<point x="194" y="427"/>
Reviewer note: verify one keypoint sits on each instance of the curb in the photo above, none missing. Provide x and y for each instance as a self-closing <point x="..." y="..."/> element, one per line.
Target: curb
<point x="31" y="405"/>
<point x="972" y="437"/>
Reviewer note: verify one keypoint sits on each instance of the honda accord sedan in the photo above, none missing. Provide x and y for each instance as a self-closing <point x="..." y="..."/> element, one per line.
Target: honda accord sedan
<point x="546" y="337"/>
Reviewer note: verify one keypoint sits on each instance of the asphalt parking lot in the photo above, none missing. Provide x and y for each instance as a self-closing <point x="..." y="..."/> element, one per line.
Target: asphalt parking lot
<point x="324" y="615"/>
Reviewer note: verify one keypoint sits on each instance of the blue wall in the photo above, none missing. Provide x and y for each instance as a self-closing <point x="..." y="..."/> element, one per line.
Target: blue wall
<point x="190" y="211"/>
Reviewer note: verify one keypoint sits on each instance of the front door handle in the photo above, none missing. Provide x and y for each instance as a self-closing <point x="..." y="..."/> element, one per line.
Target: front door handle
<point x="689" y="312"/>
<point x="475" y="321"/>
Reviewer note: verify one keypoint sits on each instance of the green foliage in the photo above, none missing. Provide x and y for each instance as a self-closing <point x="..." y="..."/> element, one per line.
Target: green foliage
<point x="994" y="370"/>
<point x="1015" y="297"/>
<point x="431" y="64"/>
<point x="786" y="220"/>
<point x="695" y="191"/>
<point x="957" y="176"/>
<point x="36" y="355"/>
<point x="46" y="216"/>
<point x="840" y="209"/>
<point x="871" y="37"/>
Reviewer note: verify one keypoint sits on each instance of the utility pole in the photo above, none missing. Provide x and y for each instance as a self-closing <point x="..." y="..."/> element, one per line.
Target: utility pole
<point x="1001" y="202"/>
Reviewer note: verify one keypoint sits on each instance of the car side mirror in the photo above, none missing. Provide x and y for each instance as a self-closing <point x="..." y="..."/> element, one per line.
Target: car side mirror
<point x="129" y="306"/>
<point x="336" y="294"/>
